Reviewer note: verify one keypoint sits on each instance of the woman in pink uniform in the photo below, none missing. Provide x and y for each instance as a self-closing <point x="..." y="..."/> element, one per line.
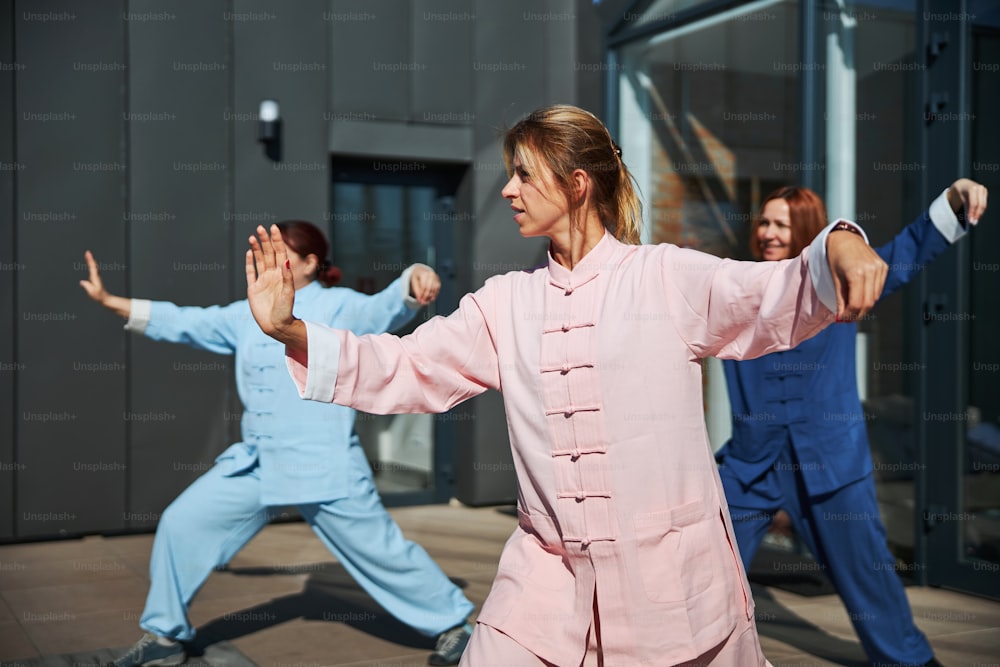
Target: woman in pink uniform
<point x="624" y="553"/>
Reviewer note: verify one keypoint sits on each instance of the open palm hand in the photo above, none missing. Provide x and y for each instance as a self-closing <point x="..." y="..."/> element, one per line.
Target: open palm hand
<point x="270" y="288"/>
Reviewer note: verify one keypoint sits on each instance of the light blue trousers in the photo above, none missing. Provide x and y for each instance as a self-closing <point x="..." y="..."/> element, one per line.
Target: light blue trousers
<point x="217" y="515"/>
<point x="844" y="532"/>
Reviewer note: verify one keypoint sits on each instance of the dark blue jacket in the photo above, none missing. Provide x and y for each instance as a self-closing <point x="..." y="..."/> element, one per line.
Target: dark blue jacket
<point x="810" y="395"/>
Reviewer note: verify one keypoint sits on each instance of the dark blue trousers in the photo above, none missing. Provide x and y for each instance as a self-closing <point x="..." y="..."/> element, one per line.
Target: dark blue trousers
<point x="843" y="531"/>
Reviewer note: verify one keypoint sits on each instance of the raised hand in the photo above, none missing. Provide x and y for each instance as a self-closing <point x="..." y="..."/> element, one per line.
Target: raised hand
<point x="425" y="284"/>
<point x="270" y="289"/>
<point x="93" y="285"/>
<point x="858" y="274"/>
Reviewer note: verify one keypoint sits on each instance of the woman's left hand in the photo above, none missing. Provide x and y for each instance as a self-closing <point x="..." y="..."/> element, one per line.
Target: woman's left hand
<point x="858" y="274"/>
<point x="425" y="284"/>
<point x="971" y="196"/>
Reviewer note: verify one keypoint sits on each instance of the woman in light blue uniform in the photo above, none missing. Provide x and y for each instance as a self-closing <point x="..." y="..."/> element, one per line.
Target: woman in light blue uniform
<point x="293" y="452"/>
<point x="799" y="441"/>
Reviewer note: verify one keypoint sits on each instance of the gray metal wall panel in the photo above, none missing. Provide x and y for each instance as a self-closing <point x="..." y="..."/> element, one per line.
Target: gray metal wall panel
<point x="69" y="107"/>
<point x="198" y="184"/>
<point x="372" y="59"/>
<point x="590" y="58"/>
<point x="510" y="79"/>
<point x="9" y="365"/>
<point x="179" y="183"/>
<point x="524" y="56"/>
<point x="284" y="59"/>
<point x="442" y="142"/>
<point x="442" y="82"/>
<point x="562" y="59"/>
<point x="944" y="380"/>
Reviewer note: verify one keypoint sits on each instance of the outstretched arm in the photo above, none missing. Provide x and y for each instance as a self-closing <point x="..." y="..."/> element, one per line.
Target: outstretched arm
<point x="271" y="291"/>
<point x="934" y="230"/>
<point x="94" y="287"/>
<point x="741" y="310"/>
<point x="214" y="328"/>
<point x="442" y="363"/>
<point x="389" y="309"/>
<point x="859" y="273"/>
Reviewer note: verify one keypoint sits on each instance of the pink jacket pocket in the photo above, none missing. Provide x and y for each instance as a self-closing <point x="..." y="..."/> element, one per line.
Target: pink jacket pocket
<point x="678" y="550"/>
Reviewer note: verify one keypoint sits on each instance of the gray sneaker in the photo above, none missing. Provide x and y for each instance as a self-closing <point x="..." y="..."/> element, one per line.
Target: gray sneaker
<point x="450" y="645"/>
<point x="148" y="651"/>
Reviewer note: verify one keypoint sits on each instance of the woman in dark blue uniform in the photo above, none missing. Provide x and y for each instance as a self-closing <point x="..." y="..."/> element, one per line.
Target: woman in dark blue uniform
<point x="799" y="441"/>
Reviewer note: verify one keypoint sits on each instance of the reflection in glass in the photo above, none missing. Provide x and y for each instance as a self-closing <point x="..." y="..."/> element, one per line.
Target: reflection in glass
<point x="711" y="122"/>
<point x="980" y="492"/>
<point x="376" y="231"/>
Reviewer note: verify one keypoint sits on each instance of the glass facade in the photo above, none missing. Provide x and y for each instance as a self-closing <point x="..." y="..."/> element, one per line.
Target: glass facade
<point x="980" y="481"/>
<point x="378" y="226"/>
<point x="713" y="113"/>
<point x="709" y="121"/>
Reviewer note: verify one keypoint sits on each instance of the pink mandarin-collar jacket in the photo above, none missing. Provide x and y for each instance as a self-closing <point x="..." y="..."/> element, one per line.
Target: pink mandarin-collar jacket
<point x="619" y="499"/>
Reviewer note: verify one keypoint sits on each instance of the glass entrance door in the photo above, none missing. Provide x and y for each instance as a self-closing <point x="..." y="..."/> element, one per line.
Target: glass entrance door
<point x="385" y="216"/>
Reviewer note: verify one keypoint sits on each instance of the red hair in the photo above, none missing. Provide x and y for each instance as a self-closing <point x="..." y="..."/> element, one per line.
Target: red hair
<point x="806" y="215"/>
<point x="306" y="239"/>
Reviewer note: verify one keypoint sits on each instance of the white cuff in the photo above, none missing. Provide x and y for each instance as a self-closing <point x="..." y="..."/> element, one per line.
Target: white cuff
<point x="819" y="266"/>
<point x="139" y="315"/>
<point x="944" y="218"/>
<point x="317" y="381"/>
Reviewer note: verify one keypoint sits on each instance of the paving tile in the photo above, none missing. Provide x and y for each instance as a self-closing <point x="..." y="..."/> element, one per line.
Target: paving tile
<point x="330" y="644"/>
<point x="87" y="547"/>
<point x="265" y="581"/>
<point x="74" y="633"/>
<point x="222" y="654"/>
<point x="132" y="550"/>
<point x="408" y="660"/>
<point x="284" y="601"/>
<point x="15" y="644"/>
<point x="283" y="544"/>
<point x="978" y="648"/>
<point x="46" y="603"/>
<point x="794" y="639"/>
<point x="6" y="613"/>
<point x="940" y="612"/>
<point x="52" y="572"/>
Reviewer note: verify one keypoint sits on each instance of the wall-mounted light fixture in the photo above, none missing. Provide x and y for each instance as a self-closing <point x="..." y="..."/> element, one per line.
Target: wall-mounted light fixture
<point x="269" y="128"/>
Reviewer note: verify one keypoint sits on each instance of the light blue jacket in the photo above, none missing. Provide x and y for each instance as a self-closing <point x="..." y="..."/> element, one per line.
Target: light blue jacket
<point x="809" y="394"/>
<point x="301" y="446"/>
